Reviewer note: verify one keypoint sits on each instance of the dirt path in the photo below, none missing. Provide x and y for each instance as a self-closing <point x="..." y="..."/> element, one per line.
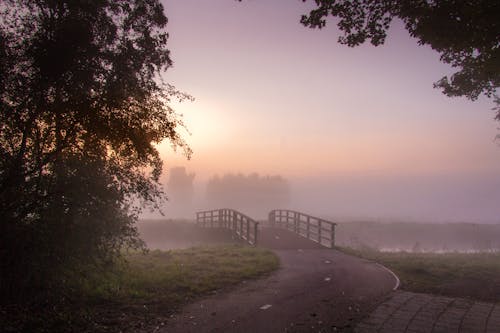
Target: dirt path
<point x="315" y="289"/>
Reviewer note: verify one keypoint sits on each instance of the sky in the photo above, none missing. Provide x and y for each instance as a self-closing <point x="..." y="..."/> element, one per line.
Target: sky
<point x="359" y="133"/>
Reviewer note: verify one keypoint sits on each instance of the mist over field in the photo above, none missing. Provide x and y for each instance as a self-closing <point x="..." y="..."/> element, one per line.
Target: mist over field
<point x="418" y="213"/>
<point x="435" y="198"/>
<point x="342" y="198"/>
<point x="445" y="213"/>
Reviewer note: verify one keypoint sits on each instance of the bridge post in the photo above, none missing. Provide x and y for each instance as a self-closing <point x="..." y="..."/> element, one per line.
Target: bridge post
<point x="220" y="218"/>
<point x="295" y="221"/>
<point x="255" y="230"/>
<point x="307" y="227"/>
<point x="233" y="224"/>
<point x="271" y="218"/>
<point x="248" y="230"/>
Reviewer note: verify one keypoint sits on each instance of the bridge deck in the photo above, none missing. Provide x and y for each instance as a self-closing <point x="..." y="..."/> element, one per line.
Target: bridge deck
<point x="281" y="239"/>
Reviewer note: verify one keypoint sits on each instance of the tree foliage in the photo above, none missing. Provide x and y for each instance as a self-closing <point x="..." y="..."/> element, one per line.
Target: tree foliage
<point x="465" y="33"/>
<point x="82" y="105"/>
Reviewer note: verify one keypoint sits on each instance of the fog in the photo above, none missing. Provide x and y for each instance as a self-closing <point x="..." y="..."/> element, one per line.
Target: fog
<point x="357" y="133"/>
<point x="252" y="194"/>
<point x="373" y="210"/>
<point x="443" y="198"/>
<point x="343" y="197"/>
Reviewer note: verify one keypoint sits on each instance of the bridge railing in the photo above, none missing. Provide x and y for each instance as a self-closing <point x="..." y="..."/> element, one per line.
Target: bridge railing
<point x="242" y="226"/>
<point x="313" y="228"/>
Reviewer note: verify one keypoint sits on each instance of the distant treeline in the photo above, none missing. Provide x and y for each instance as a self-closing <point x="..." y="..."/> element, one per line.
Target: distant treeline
<point x="252" y="194"/>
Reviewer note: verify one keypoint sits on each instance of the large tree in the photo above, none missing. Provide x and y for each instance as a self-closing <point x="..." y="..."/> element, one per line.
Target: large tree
<point x="465" y="33"/>
<point x="82" y="105"/>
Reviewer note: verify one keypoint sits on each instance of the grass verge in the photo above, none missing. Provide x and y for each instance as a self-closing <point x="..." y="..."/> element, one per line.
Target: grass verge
<point x="183" y="274"/>
<point x="475" y="276"/>
<point x="144" y="291"/>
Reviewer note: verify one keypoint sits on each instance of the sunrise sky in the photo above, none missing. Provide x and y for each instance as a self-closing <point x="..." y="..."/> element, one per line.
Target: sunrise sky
<point x="358" y="132"/>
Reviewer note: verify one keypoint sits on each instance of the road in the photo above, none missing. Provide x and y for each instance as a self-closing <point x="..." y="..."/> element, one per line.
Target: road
<point x="315" y="290"/>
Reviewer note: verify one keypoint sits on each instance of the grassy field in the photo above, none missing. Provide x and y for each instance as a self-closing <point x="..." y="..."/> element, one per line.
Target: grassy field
<point x="475" y="276"/>
<point x="144" y="291"/>
<point x="180" y="274"/>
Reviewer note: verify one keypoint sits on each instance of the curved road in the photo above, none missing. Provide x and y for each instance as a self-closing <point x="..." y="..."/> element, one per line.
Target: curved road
<point x="315" y="289"/>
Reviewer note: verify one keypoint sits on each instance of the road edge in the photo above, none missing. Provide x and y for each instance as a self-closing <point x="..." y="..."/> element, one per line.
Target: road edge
<point x="398" y="282"/>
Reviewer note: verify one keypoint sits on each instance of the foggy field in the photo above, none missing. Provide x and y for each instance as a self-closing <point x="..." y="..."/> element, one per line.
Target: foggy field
<point x="475" y="276"/>
<point x="387" y="237"/>
<point x="179" y="234"/>
<point x="419" y="237"/>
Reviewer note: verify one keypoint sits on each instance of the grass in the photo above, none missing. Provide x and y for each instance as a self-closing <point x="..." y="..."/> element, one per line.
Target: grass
<point x="145" y="290"/>
<point x="180" y="274"/>
<point x="475" y="276"/>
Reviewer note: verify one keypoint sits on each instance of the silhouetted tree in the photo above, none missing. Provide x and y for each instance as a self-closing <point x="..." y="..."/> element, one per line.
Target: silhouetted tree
<point x="82" y="104"/>
<point x="465" y="33"/>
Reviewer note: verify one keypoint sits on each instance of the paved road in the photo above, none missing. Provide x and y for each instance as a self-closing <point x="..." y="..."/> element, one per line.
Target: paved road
<point x="422" y="313"/>
<point x="315" y="290"/>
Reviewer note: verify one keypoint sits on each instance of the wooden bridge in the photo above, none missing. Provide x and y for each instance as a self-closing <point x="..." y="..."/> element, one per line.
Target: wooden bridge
<point x="247" y="229"/>
<point x="242" y="226"/>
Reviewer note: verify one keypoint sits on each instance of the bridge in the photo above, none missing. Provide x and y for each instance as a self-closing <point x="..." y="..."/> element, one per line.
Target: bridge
<point x="248" y="230"/>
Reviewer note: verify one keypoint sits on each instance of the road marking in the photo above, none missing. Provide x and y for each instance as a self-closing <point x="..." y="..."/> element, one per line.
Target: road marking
<point x="265" y="307"/>
<point x="393" y="274"/>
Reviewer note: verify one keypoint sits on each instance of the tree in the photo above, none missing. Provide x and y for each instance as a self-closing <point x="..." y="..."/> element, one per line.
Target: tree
<point x="180" y="183"/>
<point x="251" y="193"/>
<point x="465" y="33"/>
<point x="180" y="190"/>
<point x="82" y="104"/>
